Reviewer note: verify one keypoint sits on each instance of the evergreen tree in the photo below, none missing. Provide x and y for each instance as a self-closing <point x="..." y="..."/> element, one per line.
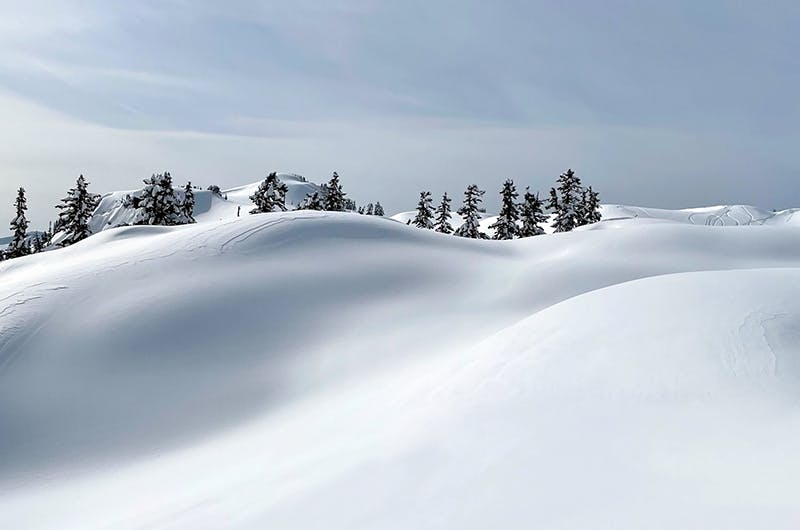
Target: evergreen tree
<point x="590" y="207"/>
<point x="76" y="212"/>
<point x="36" y="243"/>
<point x="424" y="218"/>
<point x="442" y="223"/>
<point x="19" y="227"/>
<point x="505" y="227"/>
<point x="532" y="215"/>
<point x="311" y="202"/>
<point x="553" y="204"/>
<point x="378" y="209"/>
<point x="565" y="201"/>
<point x="158" y="203"/>
<point x="46" y="237"/>
<point x="187" y="205"/>
<point x="370" y="209"/>
<point x="349" y="205"/>
<point x="334" y="198"/>
<point x="470" y="212"/>
<point x="361" y="210"/>
<point x="271" y="194"/>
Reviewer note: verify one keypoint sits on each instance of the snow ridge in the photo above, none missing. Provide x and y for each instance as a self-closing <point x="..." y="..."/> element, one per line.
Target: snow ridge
<point x="303" y="368"/>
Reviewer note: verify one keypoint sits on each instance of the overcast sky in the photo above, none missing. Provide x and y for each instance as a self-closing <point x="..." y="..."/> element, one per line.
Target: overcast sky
<point x="671" y="104"/>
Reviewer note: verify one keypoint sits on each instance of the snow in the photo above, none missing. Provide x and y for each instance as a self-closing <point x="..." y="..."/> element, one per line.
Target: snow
<point x="333" y="370"/>
<point x="730" y="215"/>
<point x="711" y="215"/>
<point x="111" y="212"/>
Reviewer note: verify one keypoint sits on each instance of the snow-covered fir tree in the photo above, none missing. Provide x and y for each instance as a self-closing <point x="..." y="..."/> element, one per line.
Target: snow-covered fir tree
<point x="565" y="201"/>
<point x="532" y="215"/>
<point x="470" y="212"/>
<point x="333" y="199"/>
<point x="270" y="195"/>
<point x="590" y="207"/>
<point x="505" y="226"/>
<point x="312" y="202"/>
<point x="424" y="217"/>
<point x="442" y="219"/>
<point x="187" y="204"/>
<point x="76" y="212"/>
<point x="553" y="204"/>
<point x="36" y="243"/>
<point x="349" y="205"/>
<point x="19" y="228"/>
<point x="158" y="204"/>
<point x="47" y="237"/>
<point x="378" y="209"/>
<point x="370" y="209"/>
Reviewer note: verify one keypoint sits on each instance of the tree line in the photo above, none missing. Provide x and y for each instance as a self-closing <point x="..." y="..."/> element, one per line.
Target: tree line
<point x="271" y="197"/>
<point x="571" y="204"/>
<point x="159" y="203"/>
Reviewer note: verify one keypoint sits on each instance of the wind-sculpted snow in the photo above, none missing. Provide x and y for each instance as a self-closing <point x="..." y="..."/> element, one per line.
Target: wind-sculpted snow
<point x="736" y="215"/>
<point x="112" y="211"/>
<point x="313" y="369"/>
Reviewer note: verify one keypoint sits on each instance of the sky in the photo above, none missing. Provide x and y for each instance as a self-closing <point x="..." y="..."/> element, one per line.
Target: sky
<point x="665" y="104"/>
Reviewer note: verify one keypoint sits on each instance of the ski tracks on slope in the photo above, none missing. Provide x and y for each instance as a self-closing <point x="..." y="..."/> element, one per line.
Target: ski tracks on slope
<point x="250" y="232"/>
<point x="12" y="323"/>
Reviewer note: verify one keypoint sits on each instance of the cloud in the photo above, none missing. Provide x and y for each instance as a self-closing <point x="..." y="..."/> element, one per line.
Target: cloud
<point x="386" y="160"/>
<point x="77" y="75"/>
<point x="24" y="22"/>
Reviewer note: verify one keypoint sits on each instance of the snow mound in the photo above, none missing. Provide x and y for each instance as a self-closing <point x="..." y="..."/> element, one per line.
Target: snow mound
<point x="754" y="345"/>
<point x="304" y="368"/>
<point x="736" y="215"/>
<point x="298" y="186"/>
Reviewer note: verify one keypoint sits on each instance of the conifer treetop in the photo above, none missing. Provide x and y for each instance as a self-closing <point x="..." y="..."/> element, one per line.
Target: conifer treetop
<point x="424" y="217"/>
<point x="470" y="212"/>
<point x="77" y="209"/>
<point x="505" y="227"/>
<point x="442" y="220"/>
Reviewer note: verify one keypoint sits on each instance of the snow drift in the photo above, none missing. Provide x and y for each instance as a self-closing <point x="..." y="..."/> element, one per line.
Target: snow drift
<point x="308" y="369"/>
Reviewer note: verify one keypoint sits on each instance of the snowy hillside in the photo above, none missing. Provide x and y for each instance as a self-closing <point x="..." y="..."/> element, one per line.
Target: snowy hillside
<point x="735" y="215"/>
<point x="713" y="215"/>
<point x="112" y="212"/>
<point x="339" y="371"/>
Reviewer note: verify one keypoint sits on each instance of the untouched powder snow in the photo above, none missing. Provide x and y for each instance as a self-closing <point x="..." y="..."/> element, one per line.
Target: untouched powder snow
<point x="330" y="370"/>
<point x="111" y="212"/>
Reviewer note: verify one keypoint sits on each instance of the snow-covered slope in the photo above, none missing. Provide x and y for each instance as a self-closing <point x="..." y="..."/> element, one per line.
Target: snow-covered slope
<point x="327" y="370"/>
<point x="735" y="215"/>
<point x="487" y="219"/>
<point x="711" y="215"/>
<point x="111" y="211"/>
